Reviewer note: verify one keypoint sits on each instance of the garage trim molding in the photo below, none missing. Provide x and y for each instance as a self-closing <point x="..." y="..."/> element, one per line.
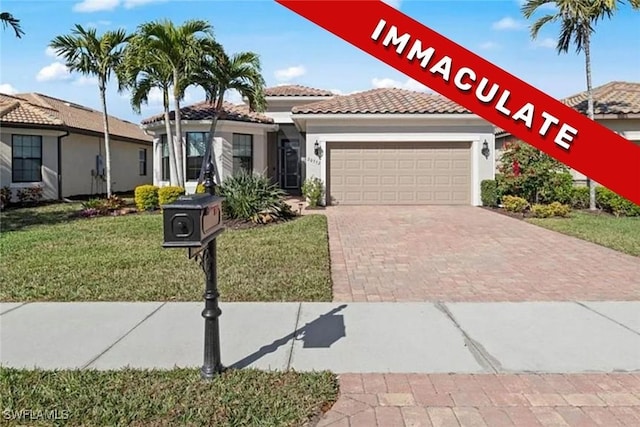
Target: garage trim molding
<point x="323" y="139"/>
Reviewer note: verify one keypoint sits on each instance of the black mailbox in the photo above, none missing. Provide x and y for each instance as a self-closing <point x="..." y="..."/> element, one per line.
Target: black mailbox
<point x="192" y="221"/>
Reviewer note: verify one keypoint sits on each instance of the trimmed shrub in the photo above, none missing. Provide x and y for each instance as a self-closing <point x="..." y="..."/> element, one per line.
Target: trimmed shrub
<point x="169" y="194"/>
<point x="253" y="197"/>
<point x="146" y="197"/>
<point x="489" y="192"/>
<point x="558" y="188"/>
<point x="514" y="204"/>
<point x="580" y="198"/>
<point x="611" y="202"/>
<point x="200" y="189"/>
<point x="5" y="196"/>
<point x="30" y="194"/>
<point x="313" y="190"/>
<point x="548" y="211"/>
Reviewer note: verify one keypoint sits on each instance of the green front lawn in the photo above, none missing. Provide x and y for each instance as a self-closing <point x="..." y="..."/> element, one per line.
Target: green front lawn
<point x="621" y="234"/>
<point x="48" y="257"/>
<point x="167" y="398"/>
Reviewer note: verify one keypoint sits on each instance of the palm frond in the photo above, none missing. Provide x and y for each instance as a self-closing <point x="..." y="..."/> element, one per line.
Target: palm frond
<point x="8" y="20"/>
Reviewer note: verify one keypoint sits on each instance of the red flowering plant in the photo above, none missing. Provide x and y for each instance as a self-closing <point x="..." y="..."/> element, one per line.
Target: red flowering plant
<point x="529" y="173"/>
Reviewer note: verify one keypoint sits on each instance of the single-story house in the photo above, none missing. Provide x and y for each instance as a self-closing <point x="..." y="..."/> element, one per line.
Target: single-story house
<point x="59" y="145"/>
<point x="382" y="146"/>
<point x="616" y="106"/>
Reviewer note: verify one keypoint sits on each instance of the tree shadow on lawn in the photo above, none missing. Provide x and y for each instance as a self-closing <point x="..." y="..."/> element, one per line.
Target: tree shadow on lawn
<point x="17" y="219"/>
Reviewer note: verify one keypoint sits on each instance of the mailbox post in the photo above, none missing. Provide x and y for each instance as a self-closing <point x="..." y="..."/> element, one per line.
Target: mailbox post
<point x="194" y="222"/>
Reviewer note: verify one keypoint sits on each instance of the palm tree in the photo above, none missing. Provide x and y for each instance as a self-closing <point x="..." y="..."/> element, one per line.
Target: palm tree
<point x="181" y="47"/>
<point x="576" y="18"/>
<point x="142" y="71"/>
<point x="92" y="55"/>
<point x="8" y="20"/>
<point x="220" y="73"/>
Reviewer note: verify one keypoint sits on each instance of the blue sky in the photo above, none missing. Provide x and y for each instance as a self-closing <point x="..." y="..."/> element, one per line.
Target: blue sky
<point x="294" y="50"/>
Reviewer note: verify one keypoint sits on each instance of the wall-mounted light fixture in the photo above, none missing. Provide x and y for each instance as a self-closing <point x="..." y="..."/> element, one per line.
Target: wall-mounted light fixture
<point x="317" y="149"/>
<point x="485" y="149"/>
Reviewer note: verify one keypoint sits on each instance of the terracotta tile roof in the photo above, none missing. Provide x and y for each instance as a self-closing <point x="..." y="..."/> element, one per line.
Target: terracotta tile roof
<point x="16" y="110"/>
<point x="296" y="90"/>
<point x="41" y="110"/>
<point x="383" y="101"/>
<point x="611" y="98"/>
<point x="204" y="111"/>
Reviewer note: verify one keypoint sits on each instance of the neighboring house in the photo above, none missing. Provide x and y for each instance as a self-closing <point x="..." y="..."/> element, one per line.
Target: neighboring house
<point x="383" y="146"/>
<point x="616" y="106"/>
<point x="59" y="146"/>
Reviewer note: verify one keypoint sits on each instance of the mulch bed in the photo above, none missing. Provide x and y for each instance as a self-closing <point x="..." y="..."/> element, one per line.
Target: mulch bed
<point x="528" y="214"/>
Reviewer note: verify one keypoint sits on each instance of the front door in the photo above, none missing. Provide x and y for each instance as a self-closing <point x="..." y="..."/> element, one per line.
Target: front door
<point x="289" y="157"/>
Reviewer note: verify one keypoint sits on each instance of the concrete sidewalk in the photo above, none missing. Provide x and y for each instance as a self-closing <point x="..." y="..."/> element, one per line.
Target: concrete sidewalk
<point x="545" y="337"/>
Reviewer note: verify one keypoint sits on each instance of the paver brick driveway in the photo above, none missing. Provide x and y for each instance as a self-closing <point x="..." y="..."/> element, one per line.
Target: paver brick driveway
<point x="446" y="253"/>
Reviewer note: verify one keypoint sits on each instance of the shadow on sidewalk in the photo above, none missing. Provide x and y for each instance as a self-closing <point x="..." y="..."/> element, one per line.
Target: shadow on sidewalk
<point x="319" y="333"/>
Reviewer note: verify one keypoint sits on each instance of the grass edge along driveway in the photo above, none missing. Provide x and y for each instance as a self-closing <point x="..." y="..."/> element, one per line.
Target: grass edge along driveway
<point x="46" y="256"/>
<point x="621" y="234"/>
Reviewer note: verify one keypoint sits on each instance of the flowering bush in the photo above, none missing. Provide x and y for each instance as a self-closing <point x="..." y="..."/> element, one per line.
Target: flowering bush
<point x="533" y="175"/>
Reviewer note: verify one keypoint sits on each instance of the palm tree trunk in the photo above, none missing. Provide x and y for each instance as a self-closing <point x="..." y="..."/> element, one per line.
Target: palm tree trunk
<point x="209" y="152"/>
<point x="107" y="147"/>
<point x="590" y="111"/>
<point x="173" y="168"/>
<point x="179" y="144"/>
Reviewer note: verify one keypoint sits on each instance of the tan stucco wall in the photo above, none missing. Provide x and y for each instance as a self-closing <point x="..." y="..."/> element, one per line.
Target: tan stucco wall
<point x="79" y="160"/>
<point x="464" y="130"/>
<point x="49" y="161"/>
<point x="222" y="147"/>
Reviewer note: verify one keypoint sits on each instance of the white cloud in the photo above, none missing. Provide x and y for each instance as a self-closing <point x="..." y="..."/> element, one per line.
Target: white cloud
<point x="394" y="3"/>
<point x="6" y="88"/>
<point x="290" y="73"/>
<point x="96" y="24"/>
<point x="130" y="4"/>
<point x="546" y="43"/>
<point x="341" y="93"/>
<point x="86" y="81"/>
<point x="508" y="23"/>
<point x="53" y="72"/>
<point x="234" y="97"/>
<point x="489" y="45"/>
<point x="410" y="84"/>
<point x="51" y="52"/>
<point x="87" y="6"/>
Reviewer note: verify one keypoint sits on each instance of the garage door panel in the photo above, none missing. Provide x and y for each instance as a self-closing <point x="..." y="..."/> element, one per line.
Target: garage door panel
<point x="399" y="173"/>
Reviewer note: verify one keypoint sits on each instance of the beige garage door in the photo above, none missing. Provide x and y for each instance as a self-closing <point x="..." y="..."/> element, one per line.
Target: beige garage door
<point x="396" y="173"/>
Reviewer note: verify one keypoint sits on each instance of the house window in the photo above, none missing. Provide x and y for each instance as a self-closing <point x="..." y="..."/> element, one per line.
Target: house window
<point x="142" y="157"/>
<point x="196" y="145"/>
<point x="26" y="161"/>
<point x="242" y="152"/>
<point x="165" y="174"/>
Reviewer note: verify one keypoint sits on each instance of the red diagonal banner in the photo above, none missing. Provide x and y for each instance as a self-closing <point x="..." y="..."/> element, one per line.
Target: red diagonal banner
<point x="481" y="87"/>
